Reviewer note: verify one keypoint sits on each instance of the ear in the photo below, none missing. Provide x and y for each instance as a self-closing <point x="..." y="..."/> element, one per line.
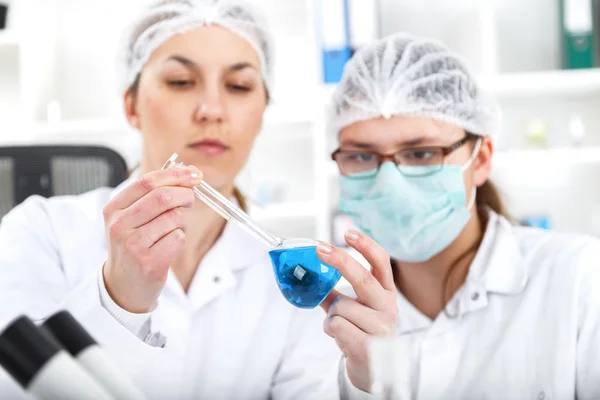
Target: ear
<point x="483" y="161"/>
<point x="130" y="108"/>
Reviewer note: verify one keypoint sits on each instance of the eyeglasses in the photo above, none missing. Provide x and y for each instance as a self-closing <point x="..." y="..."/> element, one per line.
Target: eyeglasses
<point x="420" y="161"/>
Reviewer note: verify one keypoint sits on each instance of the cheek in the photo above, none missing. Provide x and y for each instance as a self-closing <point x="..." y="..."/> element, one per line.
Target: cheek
<point x="246" y="122"/>
<point x="161" y="115"/>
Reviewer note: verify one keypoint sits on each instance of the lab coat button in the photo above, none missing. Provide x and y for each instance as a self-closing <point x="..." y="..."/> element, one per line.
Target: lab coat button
<point x="541" y="396"/>
<point x="216" y="279"/>
<point x="475" y="296"/>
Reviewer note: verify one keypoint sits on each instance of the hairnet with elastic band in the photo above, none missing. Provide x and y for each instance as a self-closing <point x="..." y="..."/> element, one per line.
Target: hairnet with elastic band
<point x="162" y="19"/>
<point x="404" y="75"/>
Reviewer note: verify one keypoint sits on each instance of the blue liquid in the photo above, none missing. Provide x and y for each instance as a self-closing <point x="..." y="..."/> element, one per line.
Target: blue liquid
<point x="303" y="279"/>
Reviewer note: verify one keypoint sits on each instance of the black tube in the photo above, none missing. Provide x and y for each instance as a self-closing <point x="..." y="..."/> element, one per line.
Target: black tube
<point x="25" y="349"/>
<point x="73" y="337"/>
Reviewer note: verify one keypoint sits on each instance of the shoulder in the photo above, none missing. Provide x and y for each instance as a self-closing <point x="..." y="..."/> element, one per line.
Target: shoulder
<point x="555" y="248"/>
<point x="57" y="214"/>
<point x="84" y="205"/>
<point x="565" y="263"/>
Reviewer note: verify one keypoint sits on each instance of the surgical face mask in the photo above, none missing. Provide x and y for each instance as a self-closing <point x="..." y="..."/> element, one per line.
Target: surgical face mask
<point x="412" y="217"/>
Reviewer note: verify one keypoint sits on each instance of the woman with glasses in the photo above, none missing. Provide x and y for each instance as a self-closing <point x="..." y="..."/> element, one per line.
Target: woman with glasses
<point x="480" y="308"/>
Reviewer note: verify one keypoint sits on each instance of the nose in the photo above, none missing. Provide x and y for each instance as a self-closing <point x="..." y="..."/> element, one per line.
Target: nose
<point x="383" y="158"/>
<point x="211" y="106"/>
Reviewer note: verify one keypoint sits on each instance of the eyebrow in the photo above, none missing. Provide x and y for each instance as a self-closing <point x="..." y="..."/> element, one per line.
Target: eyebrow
<point x="193" y="65"/>
<point x="369" y="146"/>
<point x="240" y="66"/>
<point x="185" y="61"/>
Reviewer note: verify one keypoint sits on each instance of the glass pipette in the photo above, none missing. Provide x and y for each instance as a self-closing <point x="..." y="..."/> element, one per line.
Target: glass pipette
<point x="228" y="209"/>
<point x="302" y="278"/>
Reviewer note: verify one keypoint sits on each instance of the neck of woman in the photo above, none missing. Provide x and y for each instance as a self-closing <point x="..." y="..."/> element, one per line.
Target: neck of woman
<point x="205" y="227"/>
<point x="431" y="284"/>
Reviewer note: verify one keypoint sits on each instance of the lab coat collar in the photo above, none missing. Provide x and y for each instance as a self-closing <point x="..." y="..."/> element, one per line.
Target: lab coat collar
<point x="232" y="252"/>
<point x="499" y="266"/>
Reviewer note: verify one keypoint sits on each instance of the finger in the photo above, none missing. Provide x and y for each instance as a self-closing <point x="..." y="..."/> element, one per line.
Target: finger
<point x="364" y="318"/>
<point x="365" y="285"/>
<point x="348" y="336"/>
<point x="146" y="236"/>
<point x="329" y="300"/>
<point x="187" y="177"/>
<point x="154" y="204"/>
<point x="375" y="255"/>
<point x="162" y="254"/>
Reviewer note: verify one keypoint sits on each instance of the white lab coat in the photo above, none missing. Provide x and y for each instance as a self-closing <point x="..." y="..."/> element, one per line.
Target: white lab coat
<point x="526" y="324"/>
<point x="233" y="336"/>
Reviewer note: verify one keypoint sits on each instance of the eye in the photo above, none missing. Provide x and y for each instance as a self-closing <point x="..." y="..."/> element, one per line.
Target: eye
<point x="239" y="88"/>
<point x="181" y="83"/>
<point x="420" y="154"/>
<point x="361" y="157"/>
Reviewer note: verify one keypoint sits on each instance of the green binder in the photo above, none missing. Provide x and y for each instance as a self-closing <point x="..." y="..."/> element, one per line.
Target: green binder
<point x="577" y="27"/>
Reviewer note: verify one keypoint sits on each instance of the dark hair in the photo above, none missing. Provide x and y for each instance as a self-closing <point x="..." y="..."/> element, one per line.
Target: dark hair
<point x="488" y="197"/>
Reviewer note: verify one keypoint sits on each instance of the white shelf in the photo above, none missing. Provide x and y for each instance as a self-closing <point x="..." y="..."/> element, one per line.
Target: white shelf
<point x="285" y="210"/>
<point x="558" y="82"/>
<point x="276" y="115"/>
<point x="332" y="169"/>
<point x="563" y="156"/>
<point x="81" y="126"/>
<point x="8" y="38"/>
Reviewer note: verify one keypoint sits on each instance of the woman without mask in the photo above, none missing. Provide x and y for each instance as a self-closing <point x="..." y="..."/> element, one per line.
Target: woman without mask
<point x="186" y="303"/>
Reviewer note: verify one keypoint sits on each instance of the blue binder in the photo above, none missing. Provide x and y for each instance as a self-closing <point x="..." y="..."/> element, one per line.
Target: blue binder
<point x="335" y="38"/>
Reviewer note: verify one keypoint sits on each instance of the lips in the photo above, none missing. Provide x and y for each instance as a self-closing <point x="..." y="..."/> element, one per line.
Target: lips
<point x="209" y="147"/>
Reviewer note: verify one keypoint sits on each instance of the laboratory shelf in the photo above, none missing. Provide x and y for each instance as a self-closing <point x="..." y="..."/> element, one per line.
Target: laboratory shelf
<point x="8" y="38"/>
<point x="543" y="83"/>
<point x="277" y="115"/>
<point x="562" y="156"/>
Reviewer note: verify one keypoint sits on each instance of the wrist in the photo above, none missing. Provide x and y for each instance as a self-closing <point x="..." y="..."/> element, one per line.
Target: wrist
<point x="112" y="285"/>
<point x="358" y="378"/>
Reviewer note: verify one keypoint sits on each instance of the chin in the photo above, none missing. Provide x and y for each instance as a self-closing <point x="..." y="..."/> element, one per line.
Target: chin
<point x="216" y="177"/>
<point x="217" y="170"/>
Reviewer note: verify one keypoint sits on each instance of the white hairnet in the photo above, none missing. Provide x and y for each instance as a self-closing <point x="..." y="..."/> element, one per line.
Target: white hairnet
<point x="162" y="19"/>
<point x="405" y="75"/>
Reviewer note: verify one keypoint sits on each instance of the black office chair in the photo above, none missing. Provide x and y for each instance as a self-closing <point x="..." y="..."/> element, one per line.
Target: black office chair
<point x="56" y="170"/>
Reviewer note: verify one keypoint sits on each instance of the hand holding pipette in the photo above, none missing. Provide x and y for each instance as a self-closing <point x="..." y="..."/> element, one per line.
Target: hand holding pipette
<point x="146" y="229"/>
<point x="302" y="278"/>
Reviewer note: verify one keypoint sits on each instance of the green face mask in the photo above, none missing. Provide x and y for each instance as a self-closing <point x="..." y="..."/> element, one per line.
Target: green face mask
<point x="412" y="217"/>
